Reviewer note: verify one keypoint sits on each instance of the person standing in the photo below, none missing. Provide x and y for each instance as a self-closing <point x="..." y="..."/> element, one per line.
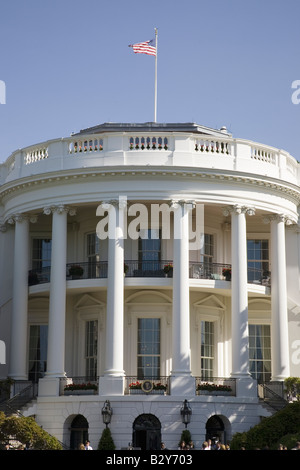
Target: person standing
<point x="88" y="446"/>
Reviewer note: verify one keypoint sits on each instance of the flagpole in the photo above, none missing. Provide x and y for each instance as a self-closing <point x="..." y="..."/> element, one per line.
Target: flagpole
<point x="155" y="81"/>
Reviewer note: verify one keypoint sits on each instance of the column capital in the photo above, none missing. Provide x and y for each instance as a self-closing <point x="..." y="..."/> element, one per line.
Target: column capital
<point x="121" y="203"/>
<point x="279" y="218"/>
<point x="238" y="209"/>
<point x="21" y="218"/>
<point x="187" y="203"/>
<point x="60" y="209"/>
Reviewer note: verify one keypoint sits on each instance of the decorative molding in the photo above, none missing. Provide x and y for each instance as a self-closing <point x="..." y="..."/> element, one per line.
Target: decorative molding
<point x="21" y="218"/>
<point x="279" y="218"/>
<point x="290" y="189"/>
<point x="60" y="208"/>
<point x="237" y="209"/>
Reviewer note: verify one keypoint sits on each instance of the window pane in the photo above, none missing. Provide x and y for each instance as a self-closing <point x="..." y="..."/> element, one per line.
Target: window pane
<point x="38" y="343"/>
<point x="91" y="345"/>
<point x="260" y="352"/>
<point x="41" y="253"/>
<point x="207" y="349"/>
<point x="258" y="259"/>
<point x="149" y="250"/>
<point x="148" y="348"/>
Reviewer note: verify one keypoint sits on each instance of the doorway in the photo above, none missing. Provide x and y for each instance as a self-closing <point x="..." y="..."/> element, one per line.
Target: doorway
<point x="146" y="432"/>
<point x="215" y="430"/>
<point x="79" y="432"/>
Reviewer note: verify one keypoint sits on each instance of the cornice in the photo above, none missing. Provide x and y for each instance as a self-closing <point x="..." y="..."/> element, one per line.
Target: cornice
<point x="288" y="190"/>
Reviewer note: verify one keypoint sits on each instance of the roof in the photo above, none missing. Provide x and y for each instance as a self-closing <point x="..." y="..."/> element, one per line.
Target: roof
<point x="153" y="127"/>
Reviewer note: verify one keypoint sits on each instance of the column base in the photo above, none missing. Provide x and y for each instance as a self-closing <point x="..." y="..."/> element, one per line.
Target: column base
<point x="110" y="385"/>
<point x="246" y="386"/>
<point x="50" y="386"/>
<point x="182" y="385"/>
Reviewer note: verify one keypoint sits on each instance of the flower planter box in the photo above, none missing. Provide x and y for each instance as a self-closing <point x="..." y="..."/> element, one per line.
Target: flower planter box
<point x="213" y="392"/>
<point x="79" y="392"/>
<point x="142" y="392"/>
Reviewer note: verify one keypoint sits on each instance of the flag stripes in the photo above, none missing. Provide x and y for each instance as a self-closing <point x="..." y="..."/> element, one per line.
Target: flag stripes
<point x="146" y="47"/>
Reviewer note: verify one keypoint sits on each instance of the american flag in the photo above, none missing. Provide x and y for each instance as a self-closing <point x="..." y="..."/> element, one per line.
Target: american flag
<point x="147" y="47"/>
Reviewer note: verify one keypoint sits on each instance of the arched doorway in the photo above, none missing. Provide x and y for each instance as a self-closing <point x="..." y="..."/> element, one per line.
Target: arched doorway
<point x="79" y="432"/>
<point x="146" y="432"/>
<point x="215" y="429"/>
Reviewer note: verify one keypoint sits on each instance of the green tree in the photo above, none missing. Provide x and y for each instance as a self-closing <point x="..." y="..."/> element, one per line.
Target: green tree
<point x="106" y="441"/>
<point x="185" y="437"/>
<point x="26" y="431"/>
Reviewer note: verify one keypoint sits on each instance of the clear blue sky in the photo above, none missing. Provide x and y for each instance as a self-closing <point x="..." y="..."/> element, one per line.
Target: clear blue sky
<point x="66" y="66"/>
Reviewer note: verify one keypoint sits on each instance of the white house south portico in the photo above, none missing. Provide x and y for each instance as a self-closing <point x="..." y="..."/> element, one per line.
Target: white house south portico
<point x="146" y="306"/>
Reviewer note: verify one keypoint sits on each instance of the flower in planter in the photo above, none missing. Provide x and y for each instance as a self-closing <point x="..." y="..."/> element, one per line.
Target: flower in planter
<point x="168" y="268"/>
<point x="81" y="386"/>
<point x="75" y="270"/>
<point x="135" y="386"/>
<point x="214" y="387"/>
<point x="226" y="272"/>
<point x="126" y="267"/>
<point x="159" y="386"/>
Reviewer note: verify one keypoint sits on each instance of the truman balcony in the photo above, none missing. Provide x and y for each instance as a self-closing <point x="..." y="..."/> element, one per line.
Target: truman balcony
<point x="145" y="271"/>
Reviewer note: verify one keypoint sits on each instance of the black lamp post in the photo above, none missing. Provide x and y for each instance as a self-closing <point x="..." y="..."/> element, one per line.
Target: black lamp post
<point x="186" y="413"/>
<point x="107" y="413"/>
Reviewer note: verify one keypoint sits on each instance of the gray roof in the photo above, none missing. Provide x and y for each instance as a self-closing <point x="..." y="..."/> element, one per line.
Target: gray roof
<point x="187" y="127"/>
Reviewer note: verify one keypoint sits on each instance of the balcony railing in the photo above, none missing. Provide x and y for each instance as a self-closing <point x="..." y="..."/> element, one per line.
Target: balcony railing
<point x="80" y="386"/>
<point x="215" y="386"/>
<point x="153" y="386"/>
<point x="134" y="268"/>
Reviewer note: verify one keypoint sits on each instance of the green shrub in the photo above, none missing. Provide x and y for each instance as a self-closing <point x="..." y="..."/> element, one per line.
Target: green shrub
<point x="185" y="437"/>
<point x="106" y="441"/>
<point x="271" y="430"/>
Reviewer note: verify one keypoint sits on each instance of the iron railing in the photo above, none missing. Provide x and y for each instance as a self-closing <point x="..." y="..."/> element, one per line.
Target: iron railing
<point x="84" y="384"/>
<point x="215" y="386"/>
<point x="273" y="394"/>
<point x="149" y="385"/>
<point x="152" y="268"/>
<point x="22" y="393"/>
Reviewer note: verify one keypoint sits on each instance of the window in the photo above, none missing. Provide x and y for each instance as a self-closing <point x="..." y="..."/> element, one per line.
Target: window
<point x="91" y="349"/>
<point x="260" y="352"/>
<point x="92" y="254"/>
<point x="148" y="348"/>
<point x="96" y="269"/>
<point x="38" y="343"/>
<point x="41" y="253"/>
<point x="258" y="259"/>
<point x="207" y="349"/>
<point x="149" y="251"/>
<point x="208" y="253"/>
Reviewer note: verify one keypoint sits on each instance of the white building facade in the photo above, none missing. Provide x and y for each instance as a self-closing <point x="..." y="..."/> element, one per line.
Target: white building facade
<point x="166" y="255"/>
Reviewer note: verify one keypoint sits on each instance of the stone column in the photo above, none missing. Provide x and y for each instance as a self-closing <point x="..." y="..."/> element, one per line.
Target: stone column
<point x="113" y="381"/>
<point x="279" y="327"/>
<point x="19" y="321"/>
<point x="57" y="308"/>
<point x="239" y="300"/>
<point x="181" y="380"/>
